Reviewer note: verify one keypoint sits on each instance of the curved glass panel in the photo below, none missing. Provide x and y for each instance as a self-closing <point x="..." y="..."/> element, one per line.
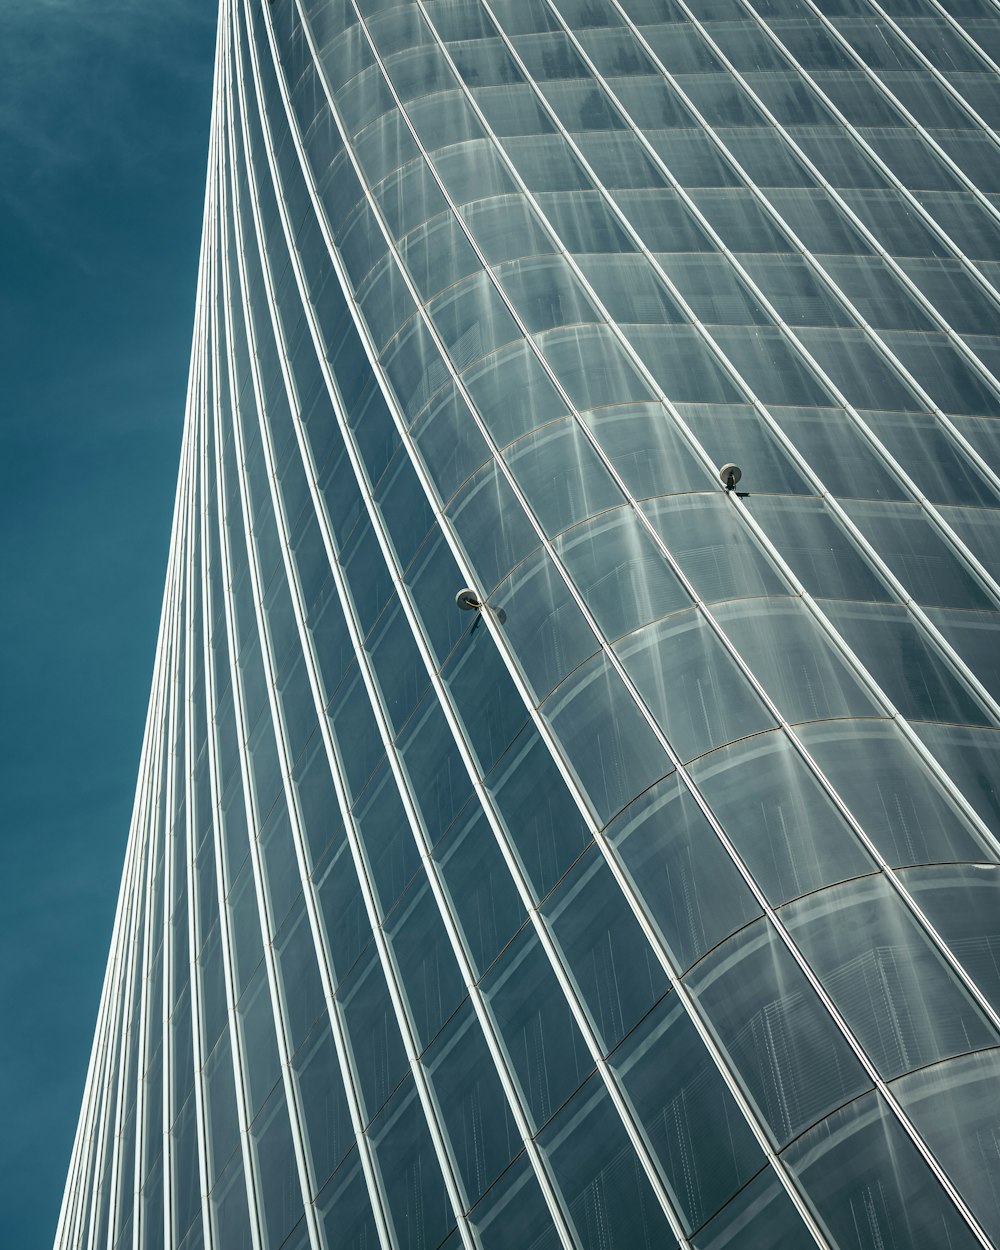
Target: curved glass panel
<point x="780" y="1039"/>
<point x="794" y="660"/>
<point x="869" y="1184"/>
<point x="962" y="902"/>
<point x="691" y="685"/>
<point x="760" y="1216"/>
<point x="898" y="802"/>
<point x="790" y="835"/>
<point x="899" y="997"/>
<point x="701" y="1142"/>
<point x="689" y="886"/>
<point x="955" y="1107"/>
<point x="608" y="1195"/>
<point x="610" y="746"/>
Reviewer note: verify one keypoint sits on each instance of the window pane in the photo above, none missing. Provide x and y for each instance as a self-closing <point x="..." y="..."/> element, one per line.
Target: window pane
<point x="896" y="993"/>
<point x="703" y="1145"/>
<point x="691" y="890"/>
<point x="790" y="1058"/>
<point x="609" y="1197"/>
<point x="870" y="1187"/>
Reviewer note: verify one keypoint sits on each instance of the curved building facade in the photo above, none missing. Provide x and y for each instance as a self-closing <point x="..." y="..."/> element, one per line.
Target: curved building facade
<point x="655" y="900"/>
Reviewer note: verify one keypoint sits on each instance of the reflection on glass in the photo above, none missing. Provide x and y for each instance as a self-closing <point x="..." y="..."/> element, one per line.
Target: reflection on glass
<point x="956" y="1108"/>
<point x="868" y="1184"/>
<point x="785" y="828"/>
<point x="514" y="1210"/>
<point x="703" y="1146"/>
<point x="899" y="998"/>
<point x="688" y="884"/>
<point x="760" y="1217"/>
<point x="614" y="971"/>
<point x="791" y="1059"/>
<point x="602" y="1183"/>
<point x="692" y="685"/>
<point x="611" y="749"/>
<point x="891" y="794"/>
<point x="962" y="902"/>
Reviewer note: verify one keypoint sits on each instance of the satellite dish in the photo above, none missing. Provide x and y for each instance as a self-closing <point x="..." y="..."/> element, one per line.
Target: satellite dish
<point x="730" y="474"/>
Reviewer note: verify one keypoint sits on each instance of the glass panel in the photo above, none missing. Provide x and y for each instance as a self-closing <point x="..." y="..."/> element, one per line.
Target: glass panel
<point x="839" y="454"/>
<point x="260" y="1047"/>
<point x="419" y="1209"/>
<point x="891" y="793"/>
<point x="928" y="567"/>
<point x="478" y="884"/>
<point x="439" y="780"/>
<point x="787" y="1052"/>
<point x="379" y="1058"/>
<point x="728" y="431"/>
<point x="817" y="548"/>
<point x="963" y="904"/>
<point x="492" y="526"/>
<point x="513" y="393"/>
<point x="609" y="745"/>
<point x="609" y="1197"/>
<point x="477" y="1119"/>
<point x="620" y="573"/>
<point x="689" y="886"/>
<point x="691" y="684"/>
<point x="386" y="838"/>
<point x="974" y="636"/>
<point x="897" y="995"/>
<point x="345" y="1208"/>
<point x="714" y="549"/>
<point x="544" y="825"/>
<point x="485" y="697"/>
<point x="230" y="1212"/>
<point x="514" y="1211"/>
<point x="221" y="1113"/>
<point x="760" y="1217"/>
<point x="428" y="973"/>
<point x="561" y="475"/>
<point x="278" y="1191"/>
<point x="702" y="1144"/>
<point x="646" y="449"/>
<point x="893" y="649"/>
<point x="343" y="910"/>
<point x="547" y="629"/>
<point x="614" y="972"/>
<point x="329" y="1132"/>
<point x="542" y="1042"/>
<point x="791" y="657"/>
<point x="869" y="1185"/>
<point x="782" y="823"/>
<point x="449" y="443"/>
<point x="300" y="985"/>
<point x="956" y="1108"/>
<point x="970" y="758"/>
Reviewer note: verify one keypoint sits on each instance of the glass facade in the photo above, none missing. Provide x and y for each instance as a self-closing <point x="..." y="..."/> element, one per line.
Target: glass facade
<point x="654" y="902"/>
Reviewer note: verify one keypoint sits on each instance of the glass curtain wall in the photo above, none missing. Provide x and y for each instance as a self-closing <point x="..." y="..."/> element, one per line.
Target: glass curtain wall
<point x="654" y="901"/>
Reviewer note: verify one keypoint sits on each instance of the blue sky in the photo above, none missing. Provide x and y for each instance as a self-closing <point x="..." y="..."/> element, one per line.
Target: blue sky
<point x="104" y="112"/>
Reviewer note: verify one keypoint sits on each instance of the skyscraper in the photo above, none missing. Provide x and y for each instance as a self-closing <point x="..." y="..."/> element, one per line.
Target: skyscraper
<point x="543" y="838"/>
